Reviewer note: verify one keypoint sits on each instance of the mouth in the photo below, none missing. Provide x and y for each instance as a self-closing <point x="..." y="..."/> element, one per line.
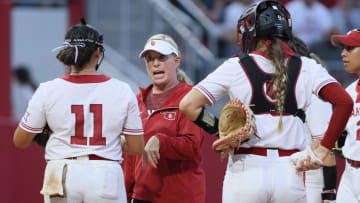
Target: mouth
<point x="158" y="72"/>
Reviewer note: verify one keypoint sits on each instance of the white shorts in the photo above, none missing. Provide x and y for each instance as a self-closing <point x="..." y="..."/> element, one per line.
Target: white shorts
<point x="255" y="178"/>
<point x="92" y="181"/>
<point x="349" y="188"/>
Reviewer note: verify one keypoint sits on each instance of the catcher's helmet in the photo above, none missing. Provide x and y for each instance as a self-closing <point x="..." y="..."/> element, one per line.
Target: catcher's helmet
<point x="264" y="19"/>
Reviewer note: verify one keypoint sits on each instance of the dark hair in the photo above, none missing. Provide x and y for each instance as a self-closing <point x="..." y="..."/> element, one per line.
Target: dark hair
<point x="299" y="46"/>
<point x="22" y="74"/>
<point x="83" y="38"/>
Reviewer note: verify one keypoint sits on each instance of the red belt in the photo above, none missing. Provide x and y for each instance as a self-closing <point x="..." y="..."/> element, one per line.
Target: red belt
<point x="91" y="157"/>
<point x="355" y="164"/>
<point x="263" y="151"/>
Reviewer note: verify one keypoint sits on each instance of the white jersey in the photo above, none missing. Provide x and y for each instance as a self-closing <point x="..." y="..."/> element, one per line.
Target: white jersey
<point x="318" y="116"/>
<point x="87" y="115"/>
<point x="230" y="78"/>
<point x="351" y="148"/>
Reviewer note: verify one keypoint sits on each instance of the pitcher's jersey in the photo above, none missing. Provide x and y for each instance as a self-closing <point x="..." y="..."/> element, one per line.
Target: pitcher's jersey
<point x="231" y="79"/>
<point x="351" y="148"/>
<point x="87" y="115"/>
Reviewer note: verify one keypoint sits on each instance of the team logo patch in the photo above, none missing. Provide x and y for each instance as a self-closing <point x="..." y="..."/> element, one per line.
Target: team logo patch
<point x="269" y="91"/>
<point x="169" y="115"/>
<point x="152" y="43"/>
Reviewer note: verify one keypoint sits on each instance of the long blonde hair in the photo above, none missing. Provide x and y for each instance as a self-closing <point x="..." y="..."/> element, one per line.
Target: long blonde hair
<point x="277" y="57"/>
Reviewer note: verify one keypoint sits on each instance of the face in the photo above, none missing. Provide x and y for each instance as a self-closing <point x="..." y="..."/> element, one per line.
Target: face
<point x="162" y="68"/>
<point x="351" y="59"/>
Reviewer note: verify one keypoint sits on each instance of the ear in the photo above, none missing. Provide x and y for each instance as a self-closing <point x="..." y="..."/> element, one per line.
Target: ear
<point x="97" y="52"/>
<point x="177" y="61"/>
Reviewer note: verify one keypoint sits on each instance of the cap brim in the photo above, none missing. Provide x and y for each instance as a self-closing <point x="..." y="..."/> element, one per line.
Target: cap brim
<point x="344" y="40"/>
<point x="160" y="46"/>
<point x="142" y="53"/>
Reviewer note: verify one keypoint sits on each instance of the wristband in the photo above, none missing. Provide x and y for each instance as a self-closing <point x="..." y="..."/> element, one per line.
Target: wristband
<point x="330" y="176"/>
<point x="328" y="195"/>
<point x="207" y="121"/>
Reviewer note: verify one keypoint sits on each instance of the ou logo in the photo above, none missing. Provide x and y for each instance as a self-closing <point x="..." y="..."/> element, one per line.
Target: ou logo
<point x="169" y="115"/>
<point x="269" y="91"/>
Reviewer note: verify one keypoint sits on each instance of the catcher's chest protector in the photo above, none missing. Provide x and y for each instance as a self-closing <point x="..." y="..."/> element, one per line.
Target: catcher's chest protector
<point x="261" y="83"/>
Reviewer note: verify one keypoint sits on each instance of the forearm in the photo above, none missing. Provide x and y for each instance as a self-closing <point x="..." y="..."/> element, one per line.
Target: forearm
<point x="182" y="147"/>
<point x="343" y="106"/>
<point x="192" y="104"/>
<point x="132" y="144"/>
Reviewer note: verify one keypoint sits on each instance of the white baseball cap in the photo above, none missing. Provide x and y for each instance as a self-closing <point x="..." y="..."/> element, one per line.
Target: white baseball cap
<point x="161" y="46"/>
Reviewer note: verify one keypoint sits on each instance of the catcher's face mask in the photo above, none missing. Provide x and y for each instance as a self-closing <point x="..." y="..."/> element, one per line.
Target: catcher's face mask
<point x="264" y="19"/>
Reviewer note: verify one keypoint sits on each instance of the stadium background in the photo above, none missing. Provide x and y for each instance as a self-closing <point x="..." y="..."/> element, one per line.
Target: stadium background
<point x="30" y="29"/>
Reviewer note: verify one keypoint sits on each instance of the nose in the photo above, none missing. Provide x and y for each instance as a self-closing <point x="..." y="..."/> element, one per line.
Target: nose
<point x="343" y="53"/>
<point x="156" y="62"/>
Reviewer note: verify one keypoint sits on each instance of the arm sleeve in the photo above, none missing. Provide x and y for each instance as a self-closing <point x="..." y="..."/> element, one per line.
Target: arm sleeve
<point x="186" y="145"/>
<point x="133" y="125"/>
<point x="34" y="119"/>
<point x="342" y="105"/>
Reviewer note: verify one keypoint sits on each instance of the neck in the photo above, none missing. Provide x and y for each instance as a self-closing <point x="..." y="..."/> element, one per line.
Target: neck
<point x="159" y="89"/>
<point x="87" y="70"/>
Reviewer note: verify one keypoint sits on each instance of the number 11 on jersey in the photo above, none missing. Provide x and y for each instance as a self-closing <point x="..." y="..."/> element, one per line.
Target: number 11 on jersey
<point x="79" y="138"/>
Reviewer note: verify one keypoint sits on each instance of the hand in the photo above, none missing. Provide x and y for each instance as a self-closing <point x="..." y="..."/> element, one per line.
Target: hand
<point x="311" y="158"/>
<point x="303" y="161"/>
<point x="152" y="152"/>
<point x="321" y="152"/>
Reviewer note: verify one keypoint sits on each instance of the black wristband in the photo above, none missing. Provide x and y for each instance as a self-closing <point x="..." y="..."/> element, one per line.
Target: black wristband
<point x="328" y="196"/>
<point x="330" y="177"/>
<point x="207" y="121"/>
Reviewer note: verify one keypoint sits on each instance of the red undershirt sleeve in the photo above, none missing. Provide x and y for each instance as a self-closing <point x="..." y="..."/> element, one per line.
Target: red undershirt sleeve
<point x="342" y="108"/>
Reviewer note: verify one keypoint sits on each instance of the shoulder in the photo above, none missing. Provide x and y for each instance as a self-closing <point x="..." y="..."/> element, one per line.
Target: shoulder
<point x="309" y="64"/>
<point x="229" y="65"/>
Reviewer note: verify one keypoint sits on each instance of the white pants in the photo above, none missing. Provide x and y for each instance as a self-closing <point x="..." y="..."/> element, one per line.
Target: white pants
<point x="349" y="188"/>
<point x="314" y="184"/>
<point x="93" y="181"/>
<point x="253" y="178"/>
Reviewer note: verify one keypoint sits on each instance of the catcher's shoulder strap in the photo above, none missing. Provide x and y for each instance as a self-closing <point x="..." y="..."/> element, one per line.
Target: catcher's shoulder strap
<point x="260" y="80"/>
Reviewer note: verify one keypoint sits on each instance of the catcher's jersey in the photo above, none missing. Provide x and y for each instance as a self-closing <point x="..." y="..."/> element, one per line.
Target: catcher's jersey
<point x="87" y="115"/>
<point x="351" y="148"/>
<point x="230" y="78"/>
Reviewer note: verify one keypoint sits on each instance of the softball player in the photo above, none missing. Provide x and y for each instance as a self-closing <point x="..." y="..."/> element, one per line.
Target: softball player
<point x="349" y="188"/>
<point x="320" y="183"/>
<point x="262" y="170"/>
<point x="87" y="113"/>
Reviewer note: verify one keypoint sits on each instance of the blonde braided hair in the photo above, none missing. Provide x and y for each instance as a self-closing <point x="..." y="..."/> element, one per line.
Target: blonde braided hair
<point x="276" y="55"/>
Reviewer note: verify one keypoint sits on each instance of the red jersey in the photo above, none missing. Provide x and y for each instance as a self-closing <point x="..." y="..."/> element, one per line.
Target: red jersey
<point x="179" y="176"/>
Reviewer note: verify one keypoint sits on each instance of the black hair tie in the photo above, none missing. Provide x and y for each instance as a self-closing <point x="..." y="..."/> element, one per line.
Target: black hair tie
<point x="83" y="21"/>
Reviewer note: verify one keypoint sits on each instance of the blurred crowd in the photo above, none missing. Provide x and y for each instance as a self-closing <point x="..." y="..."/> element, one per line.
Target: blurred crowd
<point x="313" y="22"/>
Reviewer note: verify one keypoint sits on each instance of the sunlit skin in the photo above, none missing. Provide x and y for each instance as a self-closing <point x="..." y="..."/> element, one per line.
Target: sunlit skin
<point x="162" y="70"/>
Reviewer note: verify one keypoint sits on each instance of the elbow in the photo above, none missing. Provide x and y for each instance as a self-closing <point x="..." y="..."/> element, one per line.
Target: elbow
<point x="20" y="144"/>
<point x="349" y="103"/>
<point x="184" y="105"/>
<point x="186" y="108"/>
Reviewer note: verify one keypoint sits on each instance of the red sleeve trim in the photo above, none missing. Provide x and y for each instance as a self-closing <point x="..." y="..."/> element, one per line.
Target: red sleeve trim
<point x="343" y="106"/>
